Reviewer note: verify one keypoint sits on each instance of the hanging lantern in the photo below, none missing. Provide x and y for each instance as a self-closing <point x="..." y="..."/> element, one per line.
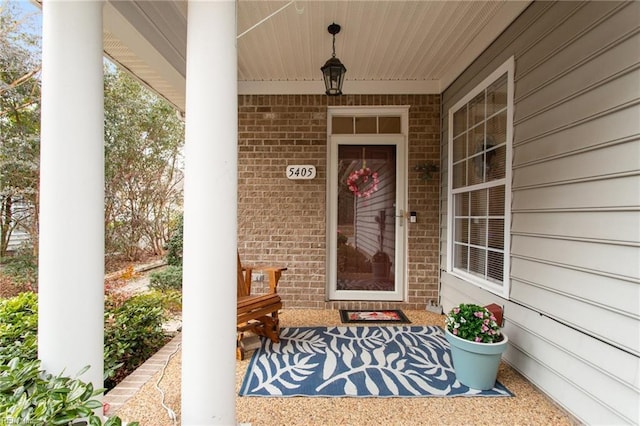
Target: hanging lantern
<point x="333" y="71"/>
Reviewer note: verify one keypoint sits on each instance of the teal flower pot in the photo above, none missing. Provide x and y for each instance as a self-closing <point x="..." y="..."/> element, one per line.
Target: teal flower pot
<point x="476" y="364"/>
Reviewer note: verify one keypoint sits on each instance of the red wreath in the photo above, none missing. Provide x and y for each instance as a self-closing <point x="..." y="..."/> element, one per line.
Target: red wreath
<point x="363" y="182"/>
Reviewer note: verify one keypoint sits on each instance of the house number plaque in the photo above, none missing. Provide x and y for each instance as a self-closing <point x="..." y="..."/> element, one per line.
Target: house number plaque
<point x="301" y="172"/>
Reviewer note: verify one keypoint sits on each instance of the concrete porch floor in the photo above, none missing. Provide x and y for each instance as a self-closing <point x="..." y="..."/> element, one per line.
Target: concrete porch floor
<point x="138" y="399"/>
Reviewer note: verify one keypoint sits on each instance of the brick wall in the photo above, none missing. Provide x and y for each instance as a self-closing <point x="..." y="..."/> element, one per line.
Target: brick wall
<point x="282" y="221"/>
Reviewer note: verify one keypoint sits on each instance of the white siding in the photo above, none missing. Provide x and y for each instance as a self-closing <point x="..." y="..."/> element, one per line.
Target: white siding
<point x="573" y="314"/>
<point x="368" y="210"/>
<point x="18" y="238"/>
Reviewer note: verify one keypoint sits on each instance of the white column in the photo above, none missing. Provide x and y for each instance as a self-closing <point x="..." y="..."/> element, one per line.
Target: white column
<point x="71" y="256"/>
<point x="210" y="216"/>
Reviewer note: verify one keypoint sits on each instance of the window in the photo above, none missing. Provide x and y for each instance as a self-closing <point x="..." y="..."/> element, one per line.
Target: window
<point x="480" y="128"/>
<point x="350" y="125"/>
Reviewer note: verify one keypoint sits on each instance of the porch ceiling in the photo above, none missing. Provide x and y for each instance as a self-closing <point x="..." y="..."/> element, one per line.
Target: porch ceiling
<point x="387" y="46"/>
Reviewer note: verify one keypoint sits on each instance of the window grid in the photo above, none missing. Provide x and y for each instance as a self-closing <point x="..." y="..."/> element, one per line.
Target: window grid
<point x="366" y="124"/>
<point x="478" y="164"/>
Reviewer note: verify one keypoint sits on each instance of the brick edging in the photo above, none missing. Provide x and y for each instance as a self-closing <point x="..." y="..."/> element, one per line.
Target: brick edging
<point x="127" y="388"/>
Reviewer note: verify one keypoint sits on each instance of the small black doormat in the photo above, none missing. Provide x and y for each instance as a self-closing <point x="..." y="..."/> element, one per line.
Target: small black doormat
<point x="361" y="315"/>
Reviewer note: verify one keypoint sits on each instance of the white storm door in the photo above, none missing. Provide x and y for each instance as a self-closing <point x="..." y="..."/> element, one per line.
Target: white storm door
<point x="366" y="217"/>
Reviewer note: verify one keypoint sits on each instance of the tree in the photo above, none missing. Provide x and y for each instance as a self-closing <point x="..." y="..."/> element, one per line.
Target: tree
<point x="19" y="127"/>
<point x="143" y="143"/>
<point x="143" y="160"/>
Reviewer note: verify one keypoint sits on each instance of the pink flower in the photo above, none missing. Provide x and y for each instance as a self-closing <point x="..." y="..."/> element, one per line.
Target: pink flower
<point x="478" y="314"/>
<point x="359" y="182"/>
<point x="478" y="339"/>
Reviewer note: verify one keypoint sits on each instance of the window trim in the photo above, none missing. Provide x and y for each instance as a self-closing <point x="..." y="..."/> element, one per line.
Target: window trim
<point x="503" y="290"/>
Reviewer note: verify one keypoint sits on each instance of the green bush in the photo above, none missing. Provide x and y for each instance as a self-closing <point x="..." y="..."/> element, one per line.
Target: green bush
<point x="170" y="300"/>
<point x="168" y="278"/>
<point x="174" y="245"/>
<point x="19" y="327"/>
<point x="28" y="394"/>
<point x="133" y="332"/>
<point x="21" y="268"/>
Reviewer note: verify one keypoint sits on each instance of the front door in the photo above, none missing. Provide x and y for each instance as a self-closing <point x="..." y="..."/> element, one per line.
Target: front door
<point x="367" y="217"/>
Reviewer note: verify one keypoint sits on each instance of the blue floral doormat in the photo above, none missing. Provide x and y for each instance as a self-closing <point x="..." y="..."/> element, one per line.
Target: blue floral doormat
<point x="375" y="361"/>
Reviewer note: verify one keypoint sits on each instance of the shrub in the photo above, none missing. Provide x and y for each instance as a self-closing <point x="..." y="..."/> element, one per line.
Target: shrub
<point x="174" y="245"/>
<point x="171" y="301"/>
<point x="133" y="332"/>
<point x="28" y="394"/>
<point x="168" y="278"/>
<point x="19" y="328"/>
<point x="21" y="268"/>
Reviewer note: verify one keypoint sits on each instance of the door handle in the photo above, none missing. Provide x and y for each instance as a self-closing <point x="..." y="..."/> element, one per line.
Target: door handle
<point x="403" y="215"/>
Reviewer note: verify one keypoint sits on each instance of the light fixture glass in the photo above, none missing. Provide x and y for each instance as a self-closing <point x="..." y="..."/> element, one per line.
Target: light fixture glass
<point x="333" y="71"/>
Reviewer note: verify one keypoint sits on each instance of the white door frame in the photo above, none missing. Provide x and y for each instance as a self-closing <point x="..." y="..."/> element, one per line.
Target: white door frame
<point x="401" y="143"/>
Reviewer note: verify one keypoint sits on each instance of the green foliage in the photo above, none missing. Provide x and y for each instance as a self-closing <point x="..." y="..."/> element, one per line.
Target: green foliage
<point x="172" y="301"/>
<point x="174" y="245"/>
<point x="21" y="268"/>
<point x="143" y="161"/>
<point x="18" y="328"/>
<point x="29" y="395"/>
<point x="169" y="278"/>
<point x="19" y="126"/>
<point x="473" y="322"/>
<point x="133" y="332"/>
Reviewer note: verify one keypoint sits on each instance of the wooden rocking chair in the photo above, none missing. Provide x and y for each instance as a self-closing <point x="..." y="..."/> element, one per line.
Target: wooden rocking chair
<point x="259" y="313"/>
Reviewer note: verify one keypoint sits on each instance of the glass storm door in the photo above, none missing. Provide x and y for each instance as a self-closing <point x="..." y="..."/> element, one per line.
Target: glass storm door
<point x="366" y="260"/>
